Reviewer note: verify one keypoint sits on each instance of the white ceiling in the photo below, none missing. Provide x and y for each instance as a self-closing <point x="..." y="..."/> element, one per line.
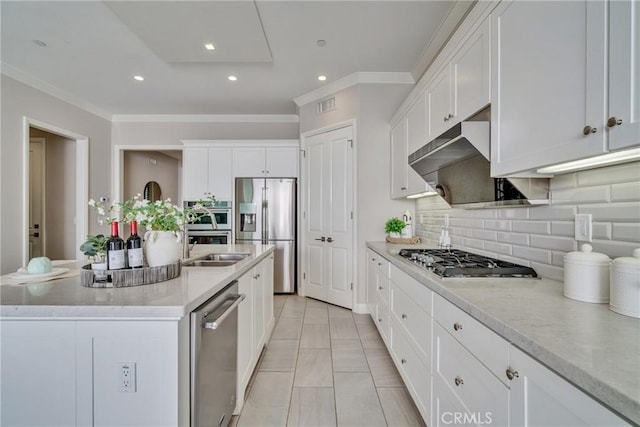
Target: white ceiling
<point x="93" y="49"/>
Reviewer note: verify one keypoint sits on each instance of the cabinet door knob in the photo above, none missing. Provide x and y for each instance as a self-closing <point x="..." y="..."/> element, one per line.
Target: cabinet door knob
<point x="379" y="320"/>
<point x="457" y="326"/>
<point x="450" y="116"/>
<point x="329" y="239"/>
<point x="589" y="130"/>
<point x="511" y="374"/>
<point x="458" y="381"/>
<point x="403" y="188"/>
<point x="613" y="121"/>
<point x="380" y="288"/>
<point x="403" y="361"/>
<point x="404" y="316"/>
<point x="446" y="118"/>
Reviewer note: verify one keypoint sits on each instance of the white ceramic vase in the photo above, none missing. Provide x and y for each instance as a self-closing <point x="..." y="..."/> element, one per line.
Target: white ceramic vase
<point x="162" y="247"/>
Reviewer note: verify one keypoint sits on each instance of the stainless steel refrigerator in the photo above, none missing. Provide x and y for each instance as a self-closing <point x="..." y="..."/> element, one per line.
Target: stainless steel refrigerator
<point x="266" y="213"/>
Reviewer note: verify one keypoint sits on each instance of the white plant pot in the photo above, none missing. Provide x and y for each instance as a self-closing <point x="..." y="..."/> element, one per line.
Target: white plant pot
<point x="97" y="267"/>
<point x="162" y="247"/>
<point x="393" y="234"/>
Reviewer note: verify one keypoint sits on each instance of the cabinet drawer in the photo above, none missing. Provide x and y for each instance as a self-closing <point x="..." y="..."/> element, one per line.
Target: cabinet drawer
<point x="418" y="292"/>
<point x="491" y="349"/>
<point x="479" y="390"/>
<point x="416" y="322"/>
<point x="382" y="319"/>
<point x="382" y="289"/>
<point x="412" y="368"/>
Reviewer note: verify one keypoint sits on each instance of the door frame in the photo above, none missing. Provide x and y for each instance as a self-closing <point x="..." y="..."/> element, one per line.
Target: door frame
<point x="82" y="182"/>
<point x="118" y="165"/>
<point x="355" y="307"/>
<point x="43" y="166"/>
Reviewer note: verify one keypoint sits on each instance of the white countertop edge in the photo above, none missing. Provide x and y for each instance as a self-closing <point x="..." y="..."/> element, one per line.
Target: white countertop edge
<point x="615" y="399"/>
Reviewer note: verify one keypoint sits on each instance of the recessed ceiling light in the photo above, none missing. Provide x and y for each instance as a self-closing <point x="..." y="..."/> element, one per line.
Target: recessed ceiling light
<point x="209" y="46"/>
<point x="321" y="43"/>
<point x="138" y="78"/>
<point x="39" y="43"/>
<point x="322" y="78"/>
<point x="232" y="78"/>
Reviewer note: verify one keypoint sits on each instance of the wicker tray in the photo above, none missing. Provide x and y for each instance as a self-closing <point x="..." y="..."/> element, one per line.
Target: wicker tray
<point x="404" y="240"/>
<point x="129" y="277"/>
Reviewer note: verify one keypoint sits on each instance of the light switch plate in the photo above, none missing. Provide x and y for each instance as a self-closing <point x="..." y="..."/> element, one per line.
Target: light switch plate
<point x="583" y="228"/>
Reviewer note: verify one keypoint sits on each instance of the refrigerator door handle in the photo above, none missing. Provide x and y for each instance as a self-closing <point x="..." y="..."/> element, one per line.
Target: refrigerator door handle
<point x="265" y="219"/>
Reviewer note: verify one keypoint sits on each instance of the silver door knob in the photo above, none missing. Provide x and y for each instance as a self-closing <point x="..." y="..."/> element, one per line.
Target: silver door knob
<point x="329" y="239"/>
<point x="613" y="121"/>
<point x="458" y="381"/>
<point x="457" y="326"/>
<point x="589" y="130"/>
<point x="511" y="374"/>
<point x="322" y="239"/>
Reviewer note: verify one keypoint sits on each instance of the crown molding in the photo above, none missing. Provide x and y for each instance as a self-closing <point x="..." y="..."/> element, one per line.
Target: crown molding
<point x="205" y="118"/>
<point x="42" y="86"/>
<point x="352" y="80"/>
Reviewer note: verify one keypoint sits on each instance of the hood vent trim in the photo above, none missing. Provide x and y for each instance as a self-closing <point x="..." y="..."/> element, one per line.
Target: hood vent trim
<point x="458" y="160"/>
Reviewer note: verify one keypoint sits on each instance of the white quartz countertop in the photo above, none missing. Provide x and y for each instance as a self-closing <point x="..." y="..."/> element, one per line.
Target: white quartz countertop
<point x="591" y="346"/>
<point x="171" y="299"/>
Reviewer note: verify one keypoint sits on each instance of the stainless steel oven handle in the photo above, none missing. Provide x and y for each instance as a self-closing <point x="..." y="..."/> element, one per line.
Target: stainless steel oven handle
<point x="237" y="299"/>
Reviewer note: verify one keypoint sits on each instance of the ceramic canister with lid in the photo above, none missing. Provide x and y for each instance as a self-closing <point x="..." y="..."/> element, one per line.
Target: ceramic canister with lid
<point x="586" y="275"/>
<point x="625" y="285"/>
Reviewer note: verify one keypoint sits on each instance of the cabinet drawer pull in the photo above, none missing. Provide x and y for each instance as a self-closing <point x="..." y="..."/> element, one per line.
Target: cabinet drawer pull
<point x="403" y="188"/>
<point x="511" y="374"/>
<point x="403" y="361"/>
<point x="458" y="381"/>
<point x="457" y="326"/>
<point x="613" y="121"/>
<point x="404" y="316"/>
<point x="380" y="288"/>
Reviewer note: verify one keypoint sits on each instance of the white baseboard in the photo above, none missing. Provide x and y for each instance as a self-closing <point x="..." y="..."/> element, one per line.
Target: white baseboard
<point x="361" y="309"/>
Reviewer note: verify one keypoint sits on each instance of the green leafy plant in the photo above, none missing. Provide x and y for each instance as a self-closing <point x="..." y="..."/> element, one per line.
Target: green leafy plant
<point x="394" y="225"/>
<point x="161" y="215"/>
<point x="95" y="247"/>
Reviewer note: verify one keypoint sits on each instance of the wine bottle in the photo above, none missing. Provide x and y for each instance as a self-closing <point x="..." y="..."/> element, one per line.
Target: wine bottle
<point x="115" y="249"/>
<point x="134" y="247"/>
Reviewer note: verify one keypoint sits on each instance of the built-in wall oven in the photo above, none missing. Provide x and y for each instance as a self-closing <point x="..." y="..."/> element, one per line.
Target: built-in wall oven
<point x="214" y="225"/>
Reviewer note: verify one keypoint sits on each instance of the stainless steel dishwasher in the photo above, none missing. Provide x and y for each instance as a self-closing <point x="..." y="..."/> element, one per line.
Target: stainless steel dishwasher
<point x="214" y="350"/>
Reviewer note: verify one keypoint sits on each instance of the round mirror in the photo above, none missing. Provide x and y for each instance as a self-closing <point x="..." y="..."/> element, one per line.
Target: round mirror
<point x="152" y="191"/>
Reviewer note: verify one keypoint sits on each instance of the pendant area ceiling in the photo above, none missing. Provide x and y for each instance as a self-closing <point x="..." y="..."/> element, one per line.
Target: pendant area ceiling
<point x="92" y="49"/>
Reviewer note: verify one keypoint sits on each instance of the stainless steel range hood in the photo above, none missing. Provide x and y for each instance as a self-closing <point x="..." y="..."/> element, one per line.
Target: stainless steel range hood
<point x="456" y="163"/>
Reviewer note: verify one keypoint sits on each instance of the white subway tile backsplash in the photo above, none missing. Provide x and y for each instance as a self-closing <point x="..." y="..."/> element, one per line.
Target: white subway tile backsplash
<point x="537" y="227"/>
<point x="600" y="194"/>
<point x="499" y="224"/>
<point x="626" y="232"/>
<point x="626" y="192"/>
<point x="551" y="242"/>
<point x="552" y="212"/>
<point x="513" y="238"/>
<point x="532" y="254"/>
<point x="563" y="228"/>
<point x="626" y="211"/>
<point x="628" y="172"/>
<point x="540" y="236"/>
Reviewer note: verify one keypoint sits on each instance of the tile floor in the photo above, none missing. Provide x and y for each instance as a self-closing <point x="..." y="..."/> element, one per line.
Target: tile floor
<point x="325" y="366"/>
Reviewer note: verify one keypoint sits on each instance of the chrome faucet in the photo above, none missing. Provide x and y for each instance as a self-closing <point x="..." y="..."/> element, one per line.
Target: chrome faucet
<point x="186" y="248"/>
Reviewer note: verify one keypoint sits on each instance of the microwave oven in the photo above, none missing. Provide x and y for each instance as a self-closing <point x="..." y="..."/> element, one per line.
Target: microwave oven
<point x="220" y="211"/>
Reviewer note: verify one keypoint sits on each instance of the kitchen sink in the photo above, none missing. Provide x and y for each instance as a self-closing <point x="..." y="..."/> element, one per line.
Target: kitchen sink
<point x="216" y="260"/>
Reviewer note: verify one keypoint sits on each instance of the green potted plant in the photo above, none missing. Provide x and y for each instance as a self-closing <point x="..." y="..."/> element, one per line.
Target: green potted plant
<point x="394" y="227"/>
<point x="95" y="247"/>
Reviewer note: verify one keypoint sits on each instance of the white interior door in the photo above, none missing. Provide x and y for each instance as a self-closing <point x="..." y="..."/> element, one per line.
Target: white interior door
<point x="36" y="197"/>
<point x="328" y="223"/>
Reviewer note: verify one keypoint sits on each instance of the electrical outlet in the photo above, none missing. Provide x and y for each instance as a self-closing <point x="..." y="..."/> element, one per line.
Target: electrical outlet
<point x="127" y="377"/>
<point x="583" y="227"/>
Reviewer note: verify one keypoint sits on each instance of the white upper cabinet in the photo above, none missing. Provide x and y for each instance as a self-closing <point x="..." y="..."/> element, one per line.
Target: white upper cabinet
<point x="624" y="74"/>
<point x="551" y="99"/>
<point x="417" y="124"/>
<point x="207" y="171"/>
<point x="404" y="180"/>
<point x="274" y="162"/>
<point x="439" y="101"/>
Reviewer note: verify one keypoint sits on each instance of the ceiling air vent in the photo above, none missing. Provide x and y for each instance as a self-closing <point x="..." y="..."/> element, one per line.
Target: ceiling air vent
<point x="327" y="105"/>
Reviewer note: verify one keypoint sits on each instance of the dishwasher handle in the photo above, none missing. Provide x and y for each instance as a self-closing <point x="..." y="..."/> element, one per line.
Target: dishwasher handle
<point x="237" y="299"/>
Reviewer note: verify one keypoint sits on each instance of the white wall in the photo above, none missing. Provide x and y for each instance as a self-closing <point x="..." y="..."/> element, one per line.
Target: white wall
<point x="540" y="236"/>
<point x="139" y="168"/>
<point x="372" y="106"/>
<point x="60" y="194"/>
<point x="18" y="101"/>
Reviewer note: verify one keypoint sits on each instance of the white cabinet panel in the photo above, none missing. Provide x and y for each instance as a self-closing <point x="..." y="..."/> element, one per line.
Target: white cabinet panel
<point x="417" y="124"/>
<point x="38" y="372"/>
<point x="207" y="171"/>
<point x="220" y="173"/>
<point x="281" y="162"/>
<point x="399" y="163"/>
<point x="541" y="398"/>
<point x="248" y="162"/>
<point x="624" y="73"/>
<point x="439" y="99"/>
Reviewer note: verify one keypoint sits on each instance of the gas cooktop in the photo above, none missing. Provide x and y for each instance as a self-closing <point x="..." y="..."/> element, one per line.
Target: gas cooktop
<point x="457" y="263"/>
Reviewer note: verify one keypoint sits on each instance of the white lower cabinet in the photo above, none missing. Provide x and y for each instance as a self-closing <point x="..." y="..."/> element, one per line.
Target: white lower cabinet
<point x="541" y="398"/>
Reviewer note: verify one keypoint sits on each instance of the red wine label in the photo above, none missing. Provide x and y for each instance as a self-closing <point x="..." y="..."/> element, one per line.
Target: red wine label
<point x="135" y="257"/>
<point x="116" y="259"/>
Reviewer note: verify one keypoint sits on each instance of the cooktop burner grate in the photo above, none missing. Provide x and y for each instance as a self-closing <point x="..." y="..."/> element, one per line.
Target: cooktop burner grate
<point x="457" y="263"/>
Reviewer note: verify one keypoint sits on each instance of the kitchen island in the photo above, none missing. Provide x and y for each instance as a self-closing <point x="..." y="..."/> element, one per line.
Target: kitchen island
<point x="62" y="344"/>
<point x="587" y="345"/>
